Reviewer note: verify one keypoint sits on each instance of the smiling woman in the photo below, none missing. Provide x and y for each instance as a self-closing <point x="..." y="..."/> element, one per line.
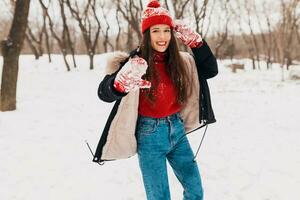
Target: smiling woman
<point x="156" y="108"/>
<point x="160" y="37"/>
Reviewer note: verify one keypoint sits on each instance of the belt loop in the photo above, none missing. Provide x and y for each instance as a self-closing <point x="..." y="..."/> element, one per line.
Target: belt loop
<point x="176" y="115"/>
<point x="168" y="119"/>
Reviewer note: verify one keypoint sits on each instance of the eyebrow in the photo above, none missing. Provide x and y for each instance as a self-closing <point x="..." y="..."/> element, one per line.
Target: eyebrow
<point x="159" y="28"/>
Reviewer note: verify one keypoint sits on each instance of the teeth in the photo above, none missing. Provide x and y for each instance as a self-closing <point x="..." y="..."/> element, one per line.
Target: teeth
<point x="161" y="43"/>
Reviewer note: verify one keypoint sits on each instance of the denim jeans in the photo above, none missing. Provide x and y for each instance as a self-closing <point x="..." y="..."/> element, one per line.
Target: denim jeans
<point x="160" y="140"/>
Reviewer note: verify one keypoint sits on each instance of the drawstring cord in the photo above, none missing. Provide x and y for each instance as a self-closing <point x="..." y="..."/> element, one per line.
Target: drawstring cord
<point x="206" y="125"/>
<point x="194" y="159"/>
<point x="88" y="145"/>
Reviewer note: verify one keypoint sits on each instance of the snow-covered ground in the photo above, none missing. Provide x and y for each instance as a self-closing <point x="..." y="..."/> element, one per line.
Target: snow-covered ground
<point x="251" y="153"/>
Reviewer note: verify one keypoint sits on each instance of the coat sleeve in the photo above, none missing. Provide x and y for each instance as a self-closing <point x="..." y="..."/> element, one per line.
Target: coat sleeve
<point x="107" y="91"/>
<point x="205" y="61"/>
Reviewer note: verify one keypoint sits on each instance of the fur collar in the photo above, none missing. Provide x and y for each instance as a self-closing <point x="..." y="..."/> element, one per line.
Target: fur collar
<point x="113" y="61"/>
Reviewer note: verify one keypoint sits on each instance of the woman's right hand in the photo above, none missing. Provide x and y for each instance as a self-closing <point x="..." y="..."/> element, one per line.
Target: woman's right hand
<point x="129" y="77"/>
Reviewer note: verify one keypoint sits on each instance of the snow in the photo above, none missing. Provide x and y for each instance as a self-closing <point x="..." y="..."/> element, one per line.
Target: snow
<point x="294" y="72"/>
<point x="252" y="152"/>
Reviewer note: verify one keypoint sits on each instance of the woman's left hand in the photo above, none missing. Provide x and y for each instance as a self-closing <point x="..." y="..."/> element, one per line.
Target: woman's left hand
<point x="187" y="35"/>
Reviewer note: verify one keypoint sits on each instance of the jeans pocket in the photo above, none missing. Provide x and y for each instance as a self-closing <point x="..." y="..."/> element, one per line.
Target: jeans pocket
<point x="146" y="127"/>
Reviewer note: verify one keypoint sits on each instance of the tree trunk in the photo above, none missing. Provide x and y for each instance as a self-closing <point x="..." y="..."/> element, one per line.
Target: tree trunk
<point x="46" y="37"/>
<point x="64" y="54"/>
<point x="32" y="47"/>
<point x="48" y="45"/>
<point x="11" y="48"/>
<point x="129" y="38"/>
<point x="253" y="62"/>
<point x="91" y="61"/>
<point x="66" y="33"/>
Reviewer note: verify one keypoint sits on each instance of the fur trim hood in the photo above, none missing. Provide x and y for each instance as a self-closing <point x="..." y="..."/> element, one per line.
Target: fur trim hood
<point x="113" y="61"/>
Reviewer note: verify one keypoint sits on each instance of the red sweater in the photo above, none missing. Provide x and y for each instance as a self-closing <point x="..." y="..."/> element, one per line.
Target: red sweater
<point x="165" y="96"/>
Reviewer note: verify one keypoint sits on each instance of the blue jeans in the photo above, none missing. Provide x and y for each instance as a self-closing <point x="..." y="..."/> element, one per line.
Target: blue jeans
<point x="165" y="139"/>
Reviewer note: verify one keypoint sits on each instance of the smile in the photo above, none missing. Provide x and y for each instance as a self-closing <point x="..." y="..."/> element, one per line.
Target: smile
<point x="161" y="43"/>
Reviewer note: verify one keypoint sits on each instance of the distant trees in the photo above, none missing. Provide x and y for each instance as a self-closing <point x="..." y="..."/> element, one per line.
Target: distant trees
<point x="286" y="31"/>
<point x="11" y="48"/>
<point x="259" y="30"/>
<point x="131" y="12"/>
<point x="89" y="24"/>
<point x="64" y="39"/>
<point x="268" y="30"/>
<point x="221" y="36"/>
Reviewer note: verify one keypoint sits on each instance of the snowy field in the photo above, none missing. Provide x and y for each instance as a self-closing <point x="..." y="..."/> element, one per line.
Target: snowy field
<point x="251" y="153"/>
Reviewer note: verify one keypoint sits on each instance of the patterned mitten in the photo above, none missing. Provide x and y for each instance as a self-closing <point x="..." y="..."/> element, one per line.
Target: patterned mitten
<point x="129" y="77"/>
<point x="187" y="35"/>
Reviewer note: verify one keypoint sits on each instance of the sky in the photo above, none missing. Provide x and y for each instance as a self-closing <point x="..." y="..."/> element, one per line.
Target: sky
<point x="272" y="8"/>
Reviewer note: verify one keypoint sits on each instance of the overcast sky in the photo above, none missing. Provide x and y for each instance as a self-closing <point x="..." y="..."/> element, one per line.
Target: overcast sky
<point x="272" y="8"/>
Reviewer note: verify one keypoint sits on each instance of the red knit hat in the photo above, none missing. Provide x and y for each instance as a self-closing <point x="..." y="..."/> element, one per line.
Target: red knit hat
<point x="155" y="14"/>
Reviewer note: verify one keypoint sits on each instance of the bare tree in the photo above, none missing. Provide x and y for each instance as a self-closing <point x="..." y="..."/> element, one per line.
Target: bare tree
<point x="32" y="40"/>
<point x="66" y="37"/>
<point x="131" y="11"/>
<point x="288" y="28"/>
<point x="178" y="6"/>
<point x="118" y="46"/>
<point x="286" y="32"/>
<point x="105" y="33"/>
<point x="266" y="36"/>
<point x="231" y="48"/>
<point x="47" y="38"/>
<point x="249" y="11"/>
<point x="60" y="41"/>
<point x="84" y="20"/>
<point x="35" y="40"/>
<point x="32" y="47"/>
<point x="248" y="41"/>
<point x="222" y="36"/>
<point x="200" y="15"/>
<point x="11" y="48"/>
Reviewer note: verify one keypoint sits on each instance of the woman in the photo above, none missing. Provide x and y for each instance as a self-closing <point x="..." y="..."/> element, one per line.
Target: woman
<point x="161" y="94"/>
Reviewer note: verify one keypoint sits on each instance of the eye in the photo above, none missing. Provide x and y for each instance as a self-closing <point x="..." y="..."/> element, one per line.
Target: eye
<point x="154" y="31"/>
<point x="168" y="30"/>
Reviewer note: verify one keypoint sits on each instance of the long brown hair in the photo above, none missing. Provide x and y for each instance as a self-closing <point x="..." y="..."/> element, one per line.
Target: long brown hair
<point x="175" y="68"/>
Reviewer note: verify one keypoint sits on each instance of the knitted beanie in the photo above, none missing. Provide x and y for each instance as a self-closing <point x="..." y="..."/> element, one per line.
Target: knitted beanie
<point x="155" y="14"/>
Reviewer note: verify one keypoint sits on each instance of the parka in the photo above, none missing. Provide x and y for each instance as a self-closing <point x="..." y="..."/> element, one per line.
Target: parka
<point x="118" y="139"/>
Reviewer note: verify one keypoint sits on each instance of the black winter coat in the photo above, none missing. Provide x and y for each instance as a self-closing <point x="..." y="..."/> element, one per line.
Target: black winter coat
<point x="206" y="68"/>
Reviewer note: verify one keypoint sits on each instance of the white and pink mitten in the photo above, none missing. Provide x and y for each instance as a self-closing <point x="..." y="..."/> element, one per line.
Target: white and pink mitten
<point x="129" y="77"/>
<point x="187" y="35"/>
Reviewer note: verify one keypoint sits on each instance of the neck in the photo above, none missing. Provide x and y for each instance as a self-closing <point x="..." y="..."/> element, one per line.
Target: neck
<point x="159" y="56"/>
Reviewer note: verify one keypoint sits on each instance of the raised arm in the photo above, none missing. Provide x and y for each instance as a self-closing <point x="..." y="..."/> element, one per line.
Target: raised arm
<point x="205" y="60"/>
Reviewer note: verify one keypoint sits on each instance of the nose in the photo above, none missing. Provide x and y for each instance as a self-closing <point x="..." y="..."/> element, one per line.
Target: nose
<point x="162" y="35"/>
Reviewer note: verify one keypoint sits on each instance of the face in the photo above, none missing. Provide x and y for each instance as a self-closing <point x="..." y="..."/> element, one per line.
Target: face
<point x="160" y="35"/>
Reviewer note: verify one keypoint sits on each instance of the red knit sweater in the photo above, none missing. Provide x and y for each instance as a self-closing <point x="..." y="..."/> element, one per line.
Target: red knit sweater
<point x="165" y="96"/>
